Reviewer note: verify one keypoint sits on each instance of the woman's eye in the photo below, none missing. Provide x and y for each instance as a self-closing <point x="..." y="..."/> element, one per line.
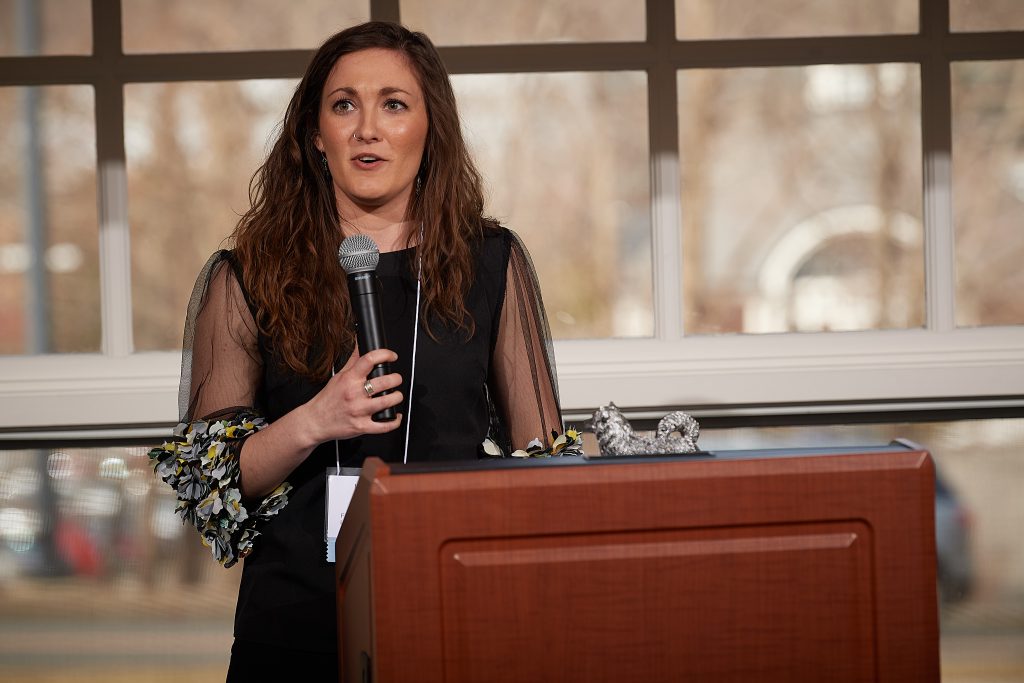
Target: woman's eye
<point x="344" y="105"/>
<point x="394" y="105"/>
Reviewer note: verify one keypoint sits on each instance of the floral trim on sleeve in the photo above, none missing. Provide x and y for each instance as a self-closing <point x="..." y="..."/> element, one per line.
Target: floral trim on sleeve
<point x="569" y="443"/>
<point x="201" y="465"/>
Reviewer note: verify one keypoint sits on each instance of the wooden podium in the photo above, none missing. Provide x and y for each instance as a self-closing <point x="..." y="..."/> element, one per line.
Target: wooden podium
<point x="798" y="565"/>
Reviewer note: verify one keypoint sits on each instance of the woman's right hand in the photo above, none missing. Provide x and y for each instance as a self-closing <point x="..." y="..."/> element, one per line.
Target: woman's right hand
<point x="343" y="409"/>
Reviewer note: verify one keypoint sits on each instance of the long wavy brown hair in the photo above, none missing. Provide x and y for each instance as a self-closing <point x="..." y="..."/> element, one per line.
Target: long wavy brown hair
<point x="287" y="242"/>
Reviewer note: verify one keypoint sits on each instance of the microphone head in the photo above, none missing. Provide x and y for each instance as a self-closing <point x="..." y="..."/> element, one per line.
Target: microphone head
<point x="358" y="254"/>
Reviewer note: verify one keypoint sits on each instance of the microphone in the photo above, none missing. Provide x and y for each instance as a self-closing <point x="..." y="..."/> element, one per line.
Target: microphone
<point x="359" y="256"/>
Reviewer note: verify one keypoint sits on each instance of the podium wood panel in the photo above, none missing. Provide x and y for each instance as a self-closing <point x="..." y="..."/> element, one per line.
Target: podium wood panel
<point x="768" y="569"/>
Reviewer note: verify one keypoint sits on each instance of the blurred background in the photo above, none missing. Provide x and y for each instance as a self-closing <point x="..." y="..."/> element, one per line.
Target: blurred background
<point x="802" y="190"/>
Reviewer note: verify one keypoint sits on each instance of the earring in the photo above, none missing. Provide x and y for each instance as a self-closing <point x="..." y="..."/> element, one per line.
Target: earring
<point x="419" y="184"/>
<point x="323" y="159"/>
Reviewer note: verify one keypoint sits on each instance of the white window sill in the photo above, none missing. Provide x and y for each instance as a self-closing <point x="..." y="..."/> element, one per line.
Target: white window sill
<point x="718" y="374"/>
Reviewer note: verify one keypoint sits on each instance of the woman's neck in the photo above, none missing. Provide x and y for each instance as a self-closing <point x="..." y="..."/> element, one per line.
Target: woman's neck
<point x="389" y="235"/>
<point x="386" y="224"/>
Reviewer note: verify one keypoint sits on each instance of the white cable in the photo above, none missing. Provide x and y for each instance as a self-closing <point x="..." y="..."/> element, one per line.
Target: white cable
<point x="337" y="452"/>
<point x="415" y="338"/>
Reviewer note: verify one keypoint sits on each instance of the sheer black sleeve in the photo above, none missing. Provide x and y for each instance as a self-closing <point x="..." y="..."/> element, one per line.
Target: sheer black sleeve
<point x="220" y="371"/>
<point x="526" y="385"/>
<point x="220" y="362"/>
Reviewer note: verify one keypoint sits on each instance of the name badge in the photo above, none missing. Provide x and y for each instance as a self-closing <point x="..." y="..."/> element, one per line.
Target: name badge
<point x="340" y="488"/>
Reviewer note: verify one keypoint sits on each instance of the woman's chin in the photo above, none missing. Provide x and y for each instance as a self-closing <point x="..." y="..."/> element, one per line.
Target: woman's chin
<point x="375" y="201"/>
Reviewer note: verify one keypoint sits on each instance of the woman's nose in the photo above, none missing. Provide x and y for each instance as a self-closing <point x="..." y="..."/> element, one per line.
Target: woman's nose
<point x="366" y="129"/>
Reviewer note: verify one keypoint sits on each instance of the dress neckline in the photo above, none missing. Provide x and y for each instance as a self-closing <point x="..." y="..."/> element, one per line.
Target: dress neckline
<point x="398" y="252"/>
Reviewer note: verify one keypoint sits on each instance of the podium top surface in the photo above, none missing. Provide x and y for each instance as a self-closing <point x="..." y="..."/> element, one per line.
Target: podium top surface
<point x="490" y="464"/>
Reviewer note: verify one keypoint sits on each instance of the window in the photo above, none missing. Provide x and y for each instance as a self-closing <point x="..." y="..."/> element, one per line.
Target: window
<point x="988" y="191"/>
<point x="191" y="148"/>
<point x="774" y="210"/>
<point x="525" y="21"/>
<point x="222" y="25"/>
<point x="49" y="260"/>
<point x="985" y="15"/>
<point x="817" y="226"/>
<point x="528" y="134"/>
<point x="708" y="19"/>
<point x="45" y="27"/>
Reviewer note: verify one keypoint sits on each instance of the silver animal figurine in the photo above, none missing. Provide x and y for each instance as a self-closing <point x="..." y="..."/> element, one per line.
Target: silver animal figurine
<point x="677" y="433"/>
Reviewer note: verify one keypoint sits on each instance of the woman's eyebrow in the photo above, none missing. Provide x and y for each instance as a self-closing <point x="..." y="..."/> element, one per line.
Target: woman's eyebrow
<point x="386" y="90"/>
<point x="343" y="89"/>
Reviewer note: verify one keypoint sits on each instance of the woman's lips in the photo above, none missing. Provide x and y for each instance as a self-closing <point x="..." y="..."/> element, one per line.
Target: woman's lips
<point x="367" y="160"/>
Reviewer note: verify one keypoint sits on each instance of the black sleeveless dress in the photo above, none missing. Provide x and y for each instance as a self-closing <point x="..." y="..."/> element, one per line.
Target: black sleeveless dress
<point x="287" y="596"/>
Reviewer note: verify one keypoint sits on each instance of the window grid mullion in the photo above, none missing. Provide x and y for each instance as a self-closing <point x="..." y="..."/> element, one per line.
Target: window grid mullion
<point x="112" y="183"/>
<point x="385" y="10"/>
<point x="666" y="217"/>
<point x="936" y="147"/>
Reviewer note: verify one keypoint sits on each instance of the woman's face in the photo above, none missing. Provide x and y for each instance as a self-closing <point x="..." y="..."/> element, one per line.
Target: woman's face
<point x="373" y="127"/>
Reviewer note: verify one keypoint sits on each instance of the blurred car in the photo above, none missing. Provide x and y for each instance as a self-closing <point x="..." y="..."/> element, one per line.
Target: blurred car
<point x="952" y="544"/>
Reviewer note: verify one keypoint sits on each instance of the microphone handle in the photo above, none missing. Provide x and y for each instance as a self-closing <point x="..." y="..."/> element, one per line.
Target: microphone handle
<point x="362" y="289"/>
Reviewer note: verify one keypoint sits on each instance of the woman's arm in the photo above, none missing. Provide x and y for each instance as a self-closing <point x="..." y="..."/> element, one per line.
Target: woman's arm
<point x="225" y="451"/>
<point x="225" y="373"/>
<point x="525" y="382"/>
<point x="221" y="364"/>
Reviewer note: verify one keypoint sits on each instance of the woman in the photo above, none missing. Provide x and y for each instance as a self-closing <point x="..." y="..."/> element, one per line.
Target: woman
<point x="273" y="386"/>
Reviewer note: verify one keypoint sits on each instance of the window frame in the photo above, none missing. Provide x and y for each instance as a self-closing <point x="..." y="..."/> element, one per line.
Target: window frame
<point x="939" y="365"/>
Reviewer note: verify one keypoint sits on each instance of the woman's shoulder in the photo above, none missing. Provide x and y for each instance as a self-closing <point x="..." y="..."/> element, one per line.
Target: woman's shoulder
<point x="496" y="241"/>
<point x="218" y="260"/>
<point x="505" y="241"/>
<point x="222" y="273"/>
<point x="491" y="229"/>
<point x="227" y="261"/>
<point x="217" y="268"/>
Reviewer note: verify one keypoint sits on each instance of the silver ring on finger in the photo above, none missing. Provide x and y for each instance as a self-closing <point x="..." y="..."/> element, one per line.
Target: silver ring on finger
<point x="368" y="388"/>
